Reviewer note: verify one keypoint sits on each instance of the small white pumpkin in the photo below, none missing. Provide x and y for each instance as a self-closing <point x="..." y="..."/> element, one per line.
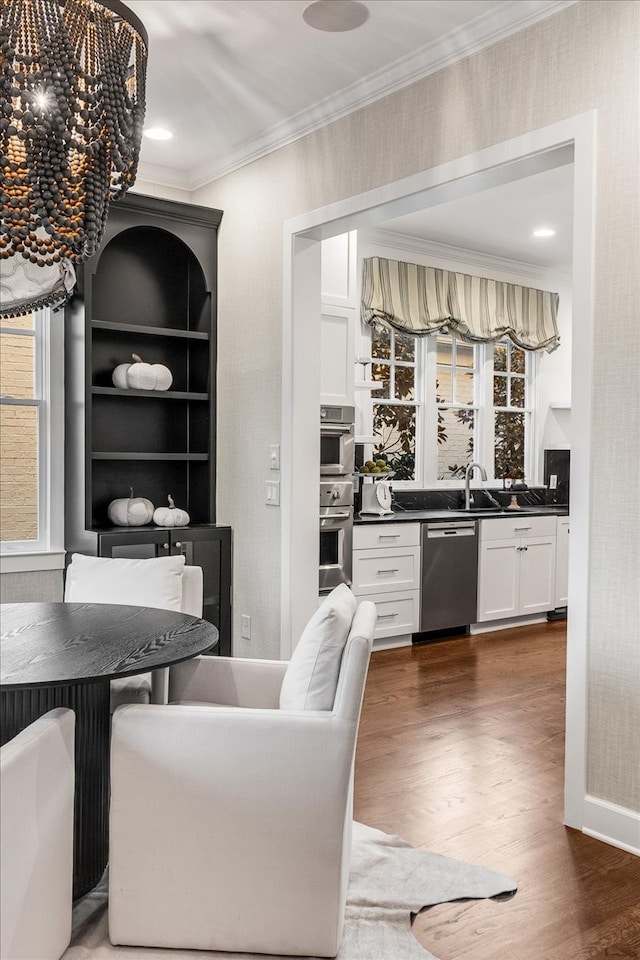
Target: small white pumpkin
<point x="142" y="376"/>
<point x="130" y="511"/>
<point x="170" y="516"/>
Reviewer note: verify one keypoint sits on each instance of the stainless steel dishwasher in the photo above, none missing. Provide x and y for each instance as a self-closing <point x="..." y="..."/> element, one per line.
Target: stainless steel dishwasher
<point x="449" y="574"/>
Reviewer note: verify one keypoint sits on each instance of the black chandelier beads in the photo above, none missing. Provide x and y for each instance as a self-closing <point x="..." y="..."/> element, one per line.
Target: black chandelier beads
<point x="72" y="101"/>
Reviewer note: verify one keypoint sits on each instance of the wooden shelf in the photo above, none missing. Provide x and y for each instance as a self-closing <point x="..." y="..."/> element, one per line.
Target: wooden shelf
<point x="141" y="328"/>
<point x="152" y="394"/>
<point x="128" y="455"/>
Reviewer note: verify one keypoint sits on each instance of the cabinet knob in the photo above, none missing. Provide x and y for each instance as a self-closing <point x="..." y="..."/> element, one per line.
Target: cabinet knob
<point x="165" y="546"/>
<point x="178" y="544"/>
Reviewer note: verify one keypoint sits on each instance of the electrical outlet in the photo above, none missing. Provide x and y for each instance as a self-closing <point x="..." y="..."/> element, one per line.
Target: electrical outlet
<point x="553" y="481"/>
<point x="245" y="626"/>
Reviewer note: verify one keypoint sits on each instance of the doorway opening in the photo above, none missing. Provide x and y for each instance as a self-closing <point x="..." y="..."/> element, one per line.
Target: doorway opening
<point x="572" y="140"/>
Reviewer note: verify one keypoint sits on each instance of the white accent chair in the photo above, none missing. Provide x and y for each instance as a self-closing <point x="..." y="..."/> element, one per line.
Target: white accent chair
<point x="165" y="583"/>
<point x="231" y="823"/>
<point x="37" y="780"/>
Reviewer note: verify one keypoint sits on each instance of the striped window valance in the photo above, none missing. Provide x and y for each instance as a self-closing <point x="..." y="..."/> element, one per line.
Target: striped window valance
<point x="421" y="300"/>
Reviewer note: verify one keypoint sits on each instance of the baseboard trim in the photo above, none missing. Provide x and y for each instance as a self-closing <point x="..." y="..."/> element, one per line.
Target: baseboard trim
<point x="488" y="626"/>
<point x="389" y="643"/>
<point x="615" y="825"/>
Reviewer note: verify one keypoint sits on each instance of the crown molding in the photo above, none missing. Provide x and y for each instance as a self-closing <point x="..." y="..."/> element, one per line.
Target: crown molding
<point x="460" y="43"/>
<point x="519" y="270"/>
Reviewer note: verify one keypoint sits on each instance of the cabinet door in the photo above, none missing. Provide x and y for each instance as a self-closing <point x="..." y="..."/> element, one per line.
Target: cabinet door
<point x="211" y="550"/>
<point x="336" y="355"/>
<point x="562" y="562"/>
<point x="537" y="574"/>
<point x="498" y="579"/>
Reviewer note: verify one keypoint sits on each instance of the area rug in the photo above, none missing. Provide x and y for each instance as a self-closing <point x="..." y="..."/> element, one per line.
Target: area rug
<point x="390" y="882"/>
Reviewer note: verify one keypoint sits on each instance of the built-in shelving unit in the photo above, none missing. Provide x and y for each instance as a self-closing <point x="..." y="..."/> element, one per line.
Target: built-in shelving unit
<point x="151" y="291"/>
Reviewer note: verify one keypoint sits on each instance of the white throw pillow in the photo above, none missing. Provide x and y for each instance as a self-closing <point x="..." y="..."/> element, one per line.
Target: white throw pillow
<point x="311" y="678"/>
<point x="143" y="583"/>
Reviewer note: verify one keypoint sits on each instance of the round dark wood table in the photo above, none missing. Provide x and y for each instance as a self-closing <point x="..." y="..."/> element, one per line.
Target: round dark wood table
<point x="64" y="655"/>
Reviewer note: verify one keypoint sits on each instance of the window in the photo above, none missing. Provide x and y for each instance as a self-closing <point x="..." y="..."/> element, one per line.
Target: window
<point x="511" y="413"/>
<point x="395" y="411"/>
<point x="31" y="433"/>
<point x="444" y="403"/>
<point x="456" y="399"/>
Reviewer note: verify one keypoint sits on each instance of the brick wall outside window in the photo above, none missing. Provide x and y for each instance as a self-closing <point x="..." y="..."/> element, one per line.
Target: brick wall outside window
<point x="18" y="436"/>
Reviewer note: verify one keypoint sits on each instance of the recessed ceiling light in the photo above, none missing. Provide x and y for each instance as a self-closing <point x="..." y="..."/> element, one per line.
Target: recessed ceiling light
<point x="158" y="133"/>
<point x="335" y="16"/>
<point x="544" y="232"/>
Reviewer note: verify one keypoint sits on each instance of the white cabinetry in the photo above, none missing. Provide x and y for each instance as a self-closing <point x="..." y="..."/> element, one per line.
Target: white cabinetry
<point x="562" y="562"/>
<point x="386" y="569"/>
<point x="516" y="567"/>
<point x="339" y="308"/>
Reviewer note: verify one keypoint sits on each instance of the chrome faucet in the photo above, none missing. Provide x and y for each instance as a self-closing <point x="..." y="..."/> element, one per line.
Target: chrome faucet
<point x="467" y="481"/>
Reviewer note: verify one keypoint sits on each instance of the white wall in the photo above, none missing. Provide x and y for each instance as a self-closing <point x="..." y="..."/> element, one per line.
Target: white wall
<point x="554" y="381"/>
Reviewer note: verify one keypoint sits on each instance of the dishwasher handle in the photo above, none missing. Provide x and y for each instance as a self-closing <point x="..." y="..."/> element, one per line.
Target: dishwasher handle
<point x="436" y="530"/>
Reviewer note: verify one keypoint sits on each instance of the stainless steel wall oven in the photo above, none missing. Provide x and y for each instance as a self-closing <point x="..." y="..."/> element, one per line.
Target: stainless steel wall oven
<point x="337" y="445"/>
<point x="336" y="496"/>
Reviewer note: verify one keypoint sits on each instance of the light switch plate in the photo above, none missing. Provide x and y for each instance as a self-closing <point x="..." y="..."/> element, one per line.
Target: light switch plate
<point x="553" y="481"/>
<point x="273" y="493"/>
<point x="274" y="456"/>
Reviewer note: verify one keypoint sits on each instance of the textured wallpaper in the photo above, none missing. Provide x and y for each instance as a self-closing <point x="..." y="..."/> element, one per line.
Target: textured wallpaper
<point x="582" y="58"/>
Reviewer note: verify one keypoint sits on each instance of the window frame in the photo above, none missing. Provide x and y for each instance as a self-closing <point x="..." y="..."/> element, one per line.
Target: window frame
<point x="47" y="551"/>
<point x="418" y="389"/>
<point x="426" y="453"/>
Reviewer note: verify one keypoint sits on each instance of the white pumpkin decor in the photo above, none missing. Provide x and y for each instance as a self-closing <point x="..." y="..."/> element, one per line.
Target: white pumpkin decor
<point x="131" y="511"/>
<point x="142" y="376"/>
<point x="170" y="516"/>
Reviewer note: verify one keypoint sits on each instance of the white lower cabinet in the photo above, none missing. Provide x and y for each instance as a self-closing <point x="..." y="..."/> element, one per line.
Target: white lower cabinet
<point x="386" y="570"/>
<point x="517" y="564"/>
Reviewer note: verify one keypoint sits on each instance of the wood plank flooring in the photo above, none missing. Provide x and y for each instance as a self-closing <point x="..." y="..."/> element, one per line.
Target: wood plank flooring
<point x="461" y="751"/>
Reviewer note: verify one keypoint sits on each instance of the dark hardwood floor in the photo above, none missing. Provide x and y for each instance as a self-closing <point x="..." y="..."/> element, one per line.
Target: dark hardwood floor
<point x="461" y="751"/>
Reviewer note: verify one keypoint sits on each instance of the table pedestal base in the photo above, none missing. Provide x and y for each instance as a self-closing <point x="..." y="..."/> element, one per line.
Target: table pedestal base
<point x="90" y="701"/>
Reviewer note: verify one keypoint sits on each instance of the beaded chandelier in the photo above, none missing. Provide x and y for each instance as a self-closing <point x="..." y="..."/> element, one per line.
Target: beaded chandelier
<point x="72" y="102"/>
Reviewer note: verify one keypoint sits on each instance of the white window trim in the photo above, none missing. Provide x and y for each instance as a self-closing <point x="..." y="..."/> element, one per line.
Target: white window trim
<point x="47" y="552"/>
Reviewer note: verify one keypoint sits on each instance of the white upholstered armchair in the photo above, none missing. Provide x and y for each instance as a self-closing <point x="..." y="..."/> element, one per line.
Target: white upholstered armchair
<point x="37" y="779"/>
<point x="231" y="823"/>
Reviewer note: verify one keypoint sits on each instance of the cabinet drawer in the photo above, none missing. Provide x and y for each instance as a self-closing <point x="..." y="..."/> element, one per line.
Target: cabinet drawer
<point x="370" y="535"/>
<point x="381" y="571"/>
<point x="397" y="613"/>
<point x="503" y="528"/>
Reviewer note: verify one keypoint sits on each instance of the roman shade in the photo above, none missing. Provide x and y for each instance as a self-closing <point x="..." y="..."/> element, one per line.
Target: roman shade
<point x="420" y="300"/>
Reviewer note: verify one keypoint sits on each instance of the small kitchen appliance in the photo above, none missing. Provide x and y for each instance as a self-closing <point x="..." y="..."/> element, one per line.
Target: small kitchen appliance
<point x="376" y="497"/>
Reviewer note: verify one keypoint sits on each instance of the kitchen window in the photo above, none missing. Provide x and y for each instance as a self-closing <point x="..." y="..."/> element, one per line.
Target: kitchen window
<point x="444" y="402"/>
<point x="396" y="408"/>
<point x="31" y="436"/>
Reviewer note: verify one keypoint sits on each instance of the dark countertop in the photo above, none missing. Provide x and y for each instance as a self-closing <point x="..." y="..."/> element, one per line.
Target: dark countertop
<point x="404" y="516"/>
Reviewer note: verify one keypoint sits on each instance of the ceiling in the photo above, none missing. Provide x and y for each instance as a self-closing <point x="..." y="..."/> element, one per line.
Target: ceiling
<point x="500" y="221"/>
<point x="236" y="79"/>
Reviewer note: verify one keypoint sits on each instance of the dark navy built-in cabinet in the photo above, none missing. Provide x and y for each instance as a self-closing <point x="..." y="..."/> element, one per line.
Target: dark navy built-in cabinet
<point x="150" y="291"/>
